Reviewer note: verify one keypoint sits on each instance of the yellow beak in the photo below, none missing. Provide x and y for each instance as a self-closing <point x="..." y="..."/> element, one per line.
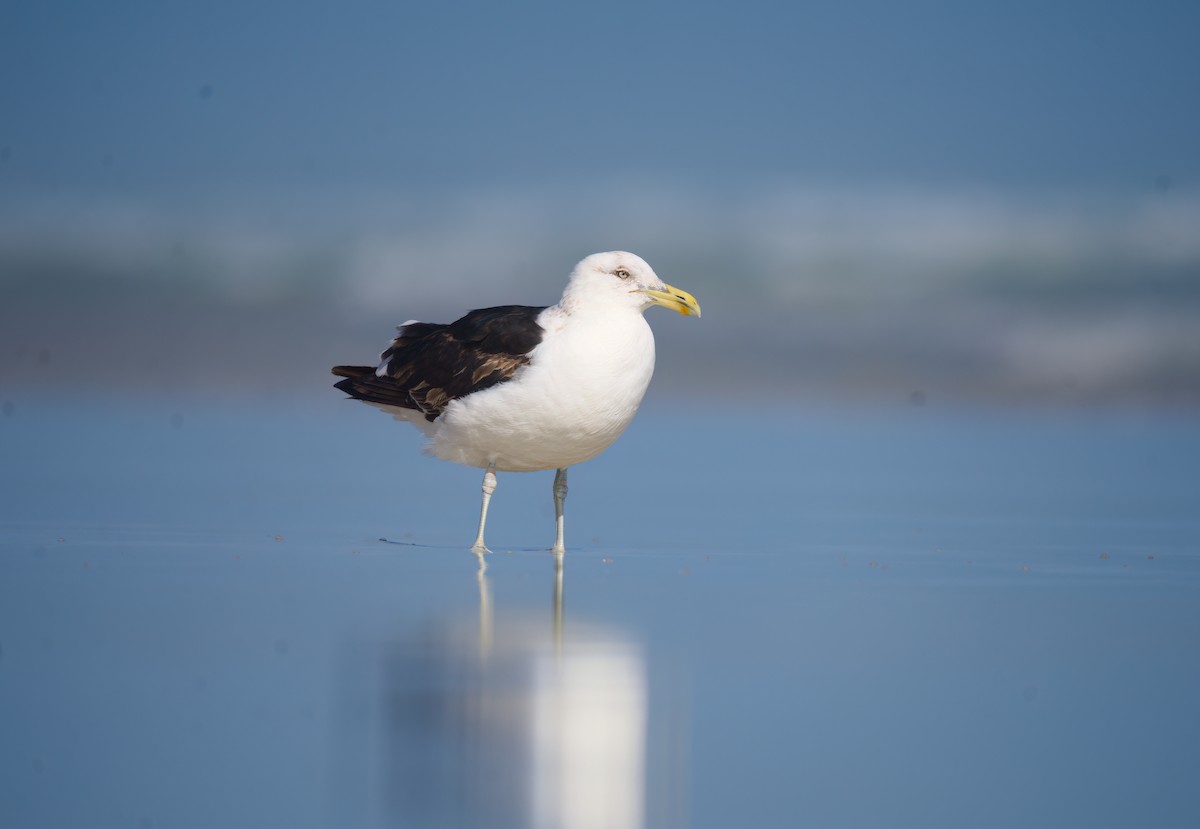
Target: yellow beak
<point x="673" y="298"/>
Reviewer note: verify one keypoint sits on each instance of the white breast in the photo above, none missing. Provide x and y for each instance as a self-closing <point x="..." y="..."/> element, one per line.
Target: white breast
<point x="581" y="389"/>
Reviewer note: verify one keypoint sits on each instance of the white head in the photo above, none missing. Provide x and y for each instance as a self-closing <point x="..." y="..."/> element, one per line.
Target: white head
<point x="620" y="279"/>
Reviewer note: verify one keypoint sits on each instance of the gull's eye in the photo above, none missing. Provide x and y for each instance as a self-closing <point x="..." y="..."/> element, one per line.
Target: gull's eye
<point x="621" y="273"/>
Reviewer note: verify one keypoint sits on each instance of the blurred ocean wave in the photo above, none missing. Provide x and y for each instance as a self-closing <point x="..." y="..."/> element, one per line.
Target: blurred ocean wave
<point x="835" y="294"/>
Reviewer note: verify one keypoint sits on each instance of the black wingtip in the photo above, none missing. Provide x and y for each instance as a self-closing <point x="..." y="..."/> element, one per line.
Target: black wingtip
<point x="354" y="375"/>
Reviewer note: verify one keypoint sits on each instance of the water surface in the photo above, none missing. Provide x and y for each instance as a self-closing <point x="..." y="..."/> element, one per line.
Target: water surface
<point x="219" y="614"/>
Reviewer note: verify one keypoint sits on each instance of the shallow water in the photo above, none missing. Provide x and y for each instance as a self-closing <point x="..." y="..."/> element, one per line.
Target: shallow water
<point x="833" y="619"/>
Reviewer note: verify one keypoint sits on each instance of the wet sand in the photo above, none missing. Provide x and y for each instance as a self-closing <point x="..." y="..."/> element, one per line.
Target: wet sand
<point x="835" y="619"/>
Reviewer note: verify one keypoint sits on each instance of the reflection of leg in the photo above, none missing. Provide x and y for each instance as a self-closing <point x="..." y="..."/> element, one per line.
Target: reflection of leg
<point x="489" y="486"/>
<point x="560" y="495"/>
<point x="485" y="609"/>
<point x="558" y="602"/>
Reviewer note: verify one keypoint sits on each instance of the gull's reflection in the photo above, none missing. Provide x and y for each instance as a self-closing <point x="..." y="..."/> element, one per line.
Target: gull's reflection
<point x="520" y="720"/>
<point x="485" y="609"/>
<point x="558" y="601"/>
<point x="588" y="729"/>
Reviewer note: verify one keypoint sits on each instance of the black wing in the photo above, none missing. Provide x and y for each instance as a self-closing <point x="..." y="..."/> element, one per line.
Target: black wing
<point x="428" y="365"/>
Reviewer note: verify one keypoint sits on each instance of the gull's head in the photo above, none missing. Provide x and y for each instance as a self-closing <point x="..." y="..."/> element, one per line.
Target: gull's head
<point x="623" y="279"/>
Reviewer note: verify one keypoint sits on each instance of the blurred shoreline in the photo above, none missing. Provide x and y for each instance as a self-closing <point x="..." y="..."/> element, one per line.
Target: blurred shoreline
<point x="841" y="296"/>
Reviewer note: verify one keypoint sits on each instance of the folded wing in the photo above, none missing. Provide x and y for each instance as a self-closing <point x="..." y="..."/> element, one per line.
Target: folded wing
<point x="428" y="365"/>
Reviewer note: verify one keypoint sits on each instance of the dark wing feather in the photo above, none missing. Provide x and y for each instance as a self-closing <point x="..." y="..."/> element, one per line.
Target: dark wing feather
<point x="429" y="365"/>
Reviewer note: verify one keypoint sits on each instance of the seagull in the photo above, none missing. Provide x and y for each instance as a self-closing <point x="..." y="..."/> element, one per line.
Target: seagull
<point x="519" y="388"/>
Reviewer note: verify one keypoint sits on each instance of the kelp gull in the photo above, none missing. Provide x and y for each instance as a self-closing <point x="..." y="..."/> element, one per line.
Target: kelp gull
<point x="520" y="388"/>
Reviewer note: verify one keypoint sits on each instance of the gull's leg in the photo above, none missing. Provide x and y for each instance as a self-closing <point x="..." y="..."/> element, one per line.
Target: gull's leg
<point x="489" y="486"/>
<point x="560" y="495"/>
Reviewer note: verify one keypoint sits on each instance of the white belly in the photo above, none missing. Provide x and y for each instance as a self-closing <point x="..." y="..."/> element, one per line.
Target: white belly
<point x="581" y="389"/>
